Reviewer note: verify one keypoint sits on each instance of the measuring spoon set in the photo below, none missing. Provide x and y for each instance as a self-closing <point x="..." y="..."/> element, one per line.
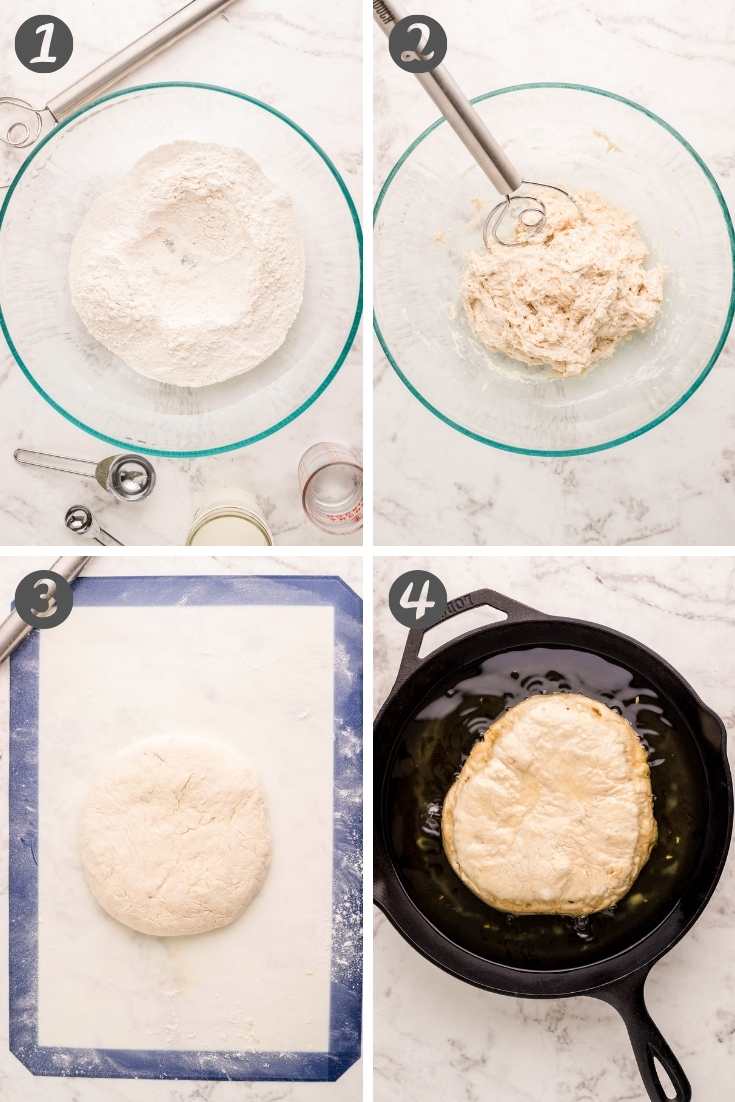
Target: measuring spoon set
<point x="127" y="477"/>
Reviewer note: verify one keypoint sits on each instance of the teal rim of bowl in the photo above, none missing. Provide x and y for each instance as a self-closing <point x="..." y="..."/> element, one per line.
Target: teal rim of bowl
<point x="703" y="373"/>
<point x="199" y="452"/>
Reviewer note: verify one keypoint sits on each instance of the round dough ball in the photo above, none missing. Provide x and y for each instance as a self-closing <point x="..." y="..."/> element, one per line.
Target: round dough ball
<point x="175" y="836"/>
<point x="552" y="812"/>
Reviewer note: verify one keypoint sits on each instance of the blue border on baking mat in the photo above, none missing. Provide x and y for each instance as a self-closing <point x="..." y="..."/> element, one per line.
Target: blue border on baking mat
<point x="346" y="967"/>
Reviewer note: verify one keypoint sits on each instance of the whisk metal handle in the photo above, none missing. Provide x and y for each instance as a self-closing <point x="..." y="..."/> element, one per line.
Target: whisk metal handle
<point x="459" y="113"/>
<point x="118" y="66"/>
<point x="469" y="127"/>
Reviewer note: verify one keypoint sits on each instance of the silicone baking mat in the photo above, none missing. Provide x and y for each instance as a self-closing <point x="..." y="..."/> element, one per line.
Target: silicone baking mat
<point x="273" y="666"/>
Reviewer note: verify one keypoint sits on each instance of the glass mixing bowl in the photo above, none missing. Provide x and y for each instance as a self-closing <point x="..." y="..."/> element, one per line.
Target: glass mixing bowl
<point x="92" y="387"/>
<point x="428" y="217"/>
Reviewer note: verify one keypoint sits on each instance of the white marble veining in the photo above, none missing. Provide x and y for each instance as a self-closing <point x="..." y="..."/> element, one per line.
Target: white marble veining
<point x="305" y="61"/>
<point x="674" y="485"/>
<point x="437" y="1037"/>
<point x="16" y="1083"/>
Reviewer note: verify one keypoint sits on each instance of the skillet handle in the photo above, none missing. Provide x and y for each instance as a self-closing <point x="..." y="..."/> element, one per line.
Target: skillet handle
<point x="513" y="610"/>
<point x="626" y="996"/>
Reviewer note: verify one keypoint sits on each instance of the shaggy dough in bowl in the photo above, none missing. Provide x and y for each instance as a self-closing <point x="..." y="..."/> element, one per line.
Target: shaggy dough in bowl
<point x="552" y="812"/>
<point x="568" y="295"/>
<point x="175" y="836"/>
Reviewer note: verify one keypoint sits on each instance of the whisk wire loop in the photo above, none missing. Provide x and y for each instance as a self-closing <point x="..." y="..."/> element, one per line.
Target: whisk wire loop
<point x="21" y="134"/>
<point x="532" y="216"/>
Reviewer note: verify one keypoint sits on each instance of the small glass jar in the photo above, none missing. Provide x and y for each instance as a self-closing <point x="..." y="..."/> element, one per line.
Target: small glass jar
<point x="330" y="480"/>
<point x="237" y="521"/>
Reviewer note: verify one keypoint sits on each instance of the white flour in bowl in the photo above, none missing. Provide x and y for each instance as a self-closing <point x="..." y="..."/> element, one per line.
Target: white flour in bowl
<point x="568" y="296"/>
<point x="191" y="267"/>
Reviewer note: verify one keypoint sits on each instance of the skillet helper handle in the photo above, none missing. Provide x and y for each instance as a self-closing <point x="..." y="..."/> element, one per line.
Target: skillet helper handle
<point x="647" y="1040"/>
<point x="153" y="42"/>
<point x="513" y="610"/>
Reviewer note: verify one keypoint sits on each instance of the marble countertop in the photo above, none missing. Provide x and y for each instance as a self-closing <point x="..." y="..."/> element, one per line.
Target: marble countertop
<point x="15" y="1081"/>
<point x="435" y="1036"/>
<point x="674" y="484"/>
<point x="309" y="65"/>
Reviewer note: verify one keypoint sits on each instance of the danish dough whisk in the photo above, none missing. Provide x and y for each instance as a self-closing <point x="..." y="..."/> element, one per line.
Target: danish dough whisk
<point x="517" y="204"/>
<point x="21" y="124"/>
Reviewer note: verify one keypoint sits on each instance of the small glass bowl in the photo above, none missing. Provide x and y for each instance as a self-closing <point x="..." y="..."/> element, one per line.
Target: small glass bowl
<point x="428" y="217"/>
<point x="90" y="386"/>
<point x="330" y="482"/>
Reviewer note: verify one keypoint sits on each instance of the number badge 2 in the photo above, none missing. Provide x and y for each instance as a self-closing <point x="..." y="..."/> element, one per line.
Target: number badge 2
<point x="418" y="44"/>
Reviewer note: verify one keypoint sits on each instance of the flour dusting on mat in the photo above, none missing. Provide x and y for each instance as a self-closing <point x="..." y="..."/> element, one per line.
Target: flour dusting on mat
<point x="191" y="267"/>
<point x="568" y="295"/>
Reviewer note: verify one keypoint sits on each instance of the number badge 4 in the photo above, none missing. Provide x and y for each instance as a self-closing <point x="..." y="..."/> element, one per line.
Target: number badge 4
<point x="418" y="599"/>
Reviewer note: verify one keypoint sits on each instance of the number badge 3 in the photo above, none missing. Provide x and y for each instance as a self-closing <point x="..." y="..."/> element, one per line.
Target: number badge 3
<point x="43" y="599"/>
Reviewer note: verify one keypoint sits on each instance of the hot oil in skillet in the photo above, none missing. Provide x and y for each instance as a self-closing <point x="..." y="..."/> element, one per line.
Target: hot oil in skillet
<point x="433" y="748"/>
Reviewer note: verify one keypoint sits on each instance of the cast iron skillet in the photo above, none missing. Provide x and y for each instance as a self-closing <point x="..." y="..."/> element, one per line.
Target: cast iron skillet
<point x="617" y="977"/>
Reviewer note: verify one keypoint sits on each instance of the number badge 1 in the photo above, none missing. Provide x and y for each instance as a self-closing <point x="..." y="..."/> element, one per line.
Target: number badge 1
<point x="418" y="599"/>
<point x="43" y="43"/>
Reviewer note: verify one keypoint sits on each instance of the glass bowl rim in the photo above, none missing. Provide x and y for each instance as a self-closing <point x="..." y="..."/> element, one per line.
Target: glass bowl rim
<point x="632" y="435"/>
<point x="352" y="333"/>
